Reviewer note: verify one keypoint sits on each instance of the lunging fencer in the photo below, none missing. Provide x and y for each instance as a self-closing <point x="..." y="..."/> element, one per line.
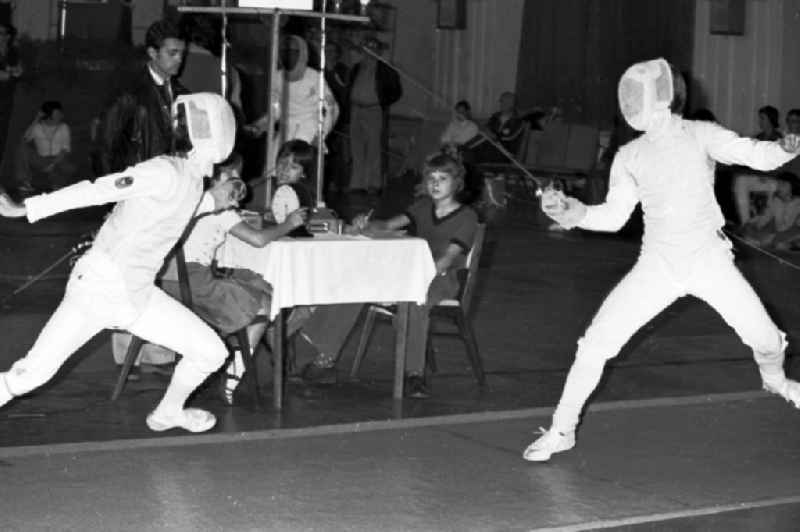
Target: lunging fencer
<point x="670" y="170"/>
<point x="112" y="285"/>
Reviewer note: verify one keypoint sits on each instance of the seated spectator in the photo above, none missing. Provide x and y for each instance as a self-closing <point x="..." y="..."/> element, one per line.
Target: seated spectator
<point x="449" y="227"/>
<point x="768" y="122"/>
<point x="43" y="162"/>
<point x="777" y="226"/>
<point x="505" y="127"/>
<point x="746" y="184"/>
<point x="295" y="181"/>
<point x="231" y="299"/>
<point x="461" y="129"/>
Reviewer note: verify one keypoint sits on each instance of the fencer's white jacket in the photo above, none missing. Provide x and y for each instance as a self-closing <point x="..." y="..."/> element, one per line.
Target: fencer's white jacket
<point x="156" y="199"/>
<point x="671" y="172"/>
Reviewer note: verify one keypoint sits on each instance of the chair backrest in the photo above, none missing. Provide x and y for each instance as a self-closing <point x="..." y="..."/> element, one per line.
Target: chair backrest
<point x="473" y="263"/>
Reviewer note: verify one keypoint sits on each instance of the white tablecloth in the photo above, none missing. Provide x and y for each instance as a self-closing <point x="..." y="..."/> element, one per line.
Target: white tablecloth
<point x="336" y="269"/>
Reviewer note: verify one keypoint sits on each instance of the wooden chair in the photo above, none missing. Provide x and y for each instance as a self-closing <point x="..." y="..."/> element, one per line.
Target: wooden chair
<point x="239" y="337"/>
<point x="454" y="310"/>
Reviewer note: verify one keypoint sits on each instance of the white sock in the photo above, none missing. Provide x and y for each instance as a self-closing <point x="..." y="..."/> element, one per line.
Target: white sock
<point x="184" y="381"/>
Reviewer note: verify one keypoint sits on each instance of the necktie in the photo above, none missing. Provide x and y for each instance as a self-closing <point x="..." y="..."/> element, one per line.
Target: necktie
<point x="166" y="94"/>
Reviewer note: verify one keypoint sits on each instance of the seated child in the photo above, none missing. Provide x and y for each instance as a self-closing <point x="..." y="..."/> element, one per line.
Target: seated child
<point x="778" y="225"/>
<point x="449" y="227"/>
<point x="229" y="301"/>
<point x="43" y="157"/>
<point x="295" y="180"/>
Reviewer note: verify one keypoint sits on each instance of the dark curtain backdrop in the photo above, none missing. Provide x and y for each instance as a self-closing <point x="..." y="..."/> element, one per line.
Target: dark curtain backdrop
<point x="572" y="52"/>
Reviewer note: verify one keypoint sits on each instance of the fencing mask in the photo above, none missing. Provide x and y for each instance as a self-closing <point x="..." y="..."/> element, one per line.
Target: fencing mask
<point x="645" y="93"/>
<point x="210" y="124"/>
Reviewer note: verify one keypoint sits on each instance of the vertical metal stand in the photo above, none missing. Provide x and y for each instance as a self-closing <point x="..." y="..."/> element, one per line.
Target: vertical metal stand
<point x="223" y="60"/>
<point x="321" y="111"/>
<point x="272" y="145"/>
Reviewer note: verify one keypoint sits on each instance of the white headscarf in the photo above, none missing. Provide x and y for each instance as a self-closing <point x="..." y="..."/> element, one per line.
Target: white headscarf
<point x="298" y="69"/>
<point x="211" y="125"/>
<point x="645" y="93"/>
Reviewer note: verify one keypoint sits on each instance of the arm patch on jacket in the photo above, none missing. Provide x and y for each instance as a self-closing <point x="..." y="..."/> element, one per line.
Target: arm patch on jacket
<point x="124" y="181"/>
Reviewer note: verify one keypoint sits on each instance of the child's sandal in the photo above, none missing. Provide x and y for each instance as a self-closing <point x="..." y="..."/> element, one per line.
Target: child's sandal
<point x="228" y="386"/>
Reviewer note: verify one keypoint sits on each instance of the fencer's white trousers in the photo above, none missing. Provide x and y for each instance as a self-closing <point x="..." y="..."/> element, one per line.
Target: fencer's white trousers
<point x="96" y="299"/>
<point x="652" y="285"/>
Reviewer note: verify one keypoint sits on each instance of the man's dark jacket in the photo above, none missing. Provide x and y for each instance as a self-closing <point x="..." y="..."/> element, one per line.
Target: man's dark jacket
<point x="136" y="124"/>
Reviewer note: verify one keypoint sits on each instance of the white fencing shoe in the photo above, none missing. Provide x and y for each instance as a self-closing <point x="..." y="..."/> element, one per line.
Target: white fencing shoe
<point x="191" y="419"/>
<point x="787" y="388"/>
<point x="549" y="443"/>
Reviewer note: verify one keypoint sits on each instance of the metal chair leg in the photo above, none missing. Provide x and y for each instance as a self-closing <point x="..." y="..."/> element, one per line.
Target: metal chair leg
<point x="248" y="355"/>
<point x="366" y="333"/>
<point x="430" y="356"/>
<point x="468" y="336"/>
<point x="130" y="359"/>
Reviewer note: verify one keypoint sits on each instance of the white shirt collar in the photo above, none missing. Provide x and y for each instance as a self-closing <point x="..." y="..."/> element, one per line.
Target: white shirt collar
<point x="157" y="78"/>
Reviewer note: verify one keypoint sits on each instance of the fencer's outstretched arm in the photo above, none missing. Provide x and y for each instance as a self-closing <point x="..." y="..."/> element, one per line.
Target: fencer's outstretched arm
<point x="612" y="214"/>
<point x="727" y="147"/>
<point x="150" y="178"/>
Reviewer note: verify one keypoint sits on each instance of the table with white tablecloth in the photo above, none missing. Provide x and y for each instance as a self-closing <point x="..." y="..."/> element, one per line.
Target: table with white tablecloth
<point x="332" y="269"/>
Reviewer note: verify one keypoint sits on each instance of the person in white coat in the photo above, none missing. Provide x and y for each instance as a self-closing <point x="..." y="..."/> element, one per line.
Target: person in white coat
<point x="295" y="97"/>
<point x="112" y="285"/>
<point x="669" y="169"/>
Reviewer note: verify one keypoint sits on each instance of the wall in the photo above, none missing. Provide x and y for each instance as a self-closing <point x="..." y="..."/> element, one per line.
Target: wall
<point x="573" y="51"/>
<point x="38" y="19"/>
<point x="476" y="64"/>
<point x="737" y="74"/>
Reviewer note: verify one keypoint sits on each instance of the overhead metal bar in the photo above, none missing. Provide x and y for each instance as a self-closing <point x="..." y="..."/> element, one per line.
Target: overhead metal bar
<point x="271" y="11"/>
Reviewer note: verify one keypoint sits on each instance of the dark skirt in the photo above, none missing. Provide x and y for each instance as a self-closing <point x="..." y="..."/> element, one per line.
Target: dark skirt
<point x="229" y="302"/>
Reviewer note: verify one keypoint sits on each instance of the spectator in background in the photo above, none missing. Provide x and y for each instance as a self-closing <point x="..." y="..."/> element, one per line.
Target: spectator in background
<point x="295" y="100"/>
<point x="768" y="122"/>
<point x="43" y="156"/>
<point x="746" y="184"/>
<point x="505" y="127"/>
<point x="461" y="129"/>
<point x="374" y="89"/>
<point x="137" y="124"/>
<point x="202" y="65"/>
<point x="337" y="74"/>
<point x="777" y="226"/>
<point x="10" y="71"/>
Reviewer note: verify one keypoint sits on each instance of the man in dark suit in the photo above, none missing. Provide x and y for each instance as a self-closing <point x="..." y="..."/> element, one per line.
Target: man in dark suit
<point x="136" y="125"/>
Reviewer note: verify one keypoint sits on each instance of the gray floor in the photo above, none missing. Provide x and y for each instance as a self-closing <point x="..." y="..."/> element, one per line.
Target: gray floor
<point x="658" y="462"/>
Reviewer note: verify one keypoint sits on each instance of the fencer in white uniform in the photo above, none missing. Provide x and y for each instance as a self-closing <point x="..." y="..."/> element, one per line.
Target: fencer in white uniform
<point x="112" y="285"/>
<point x="669" y="169"/>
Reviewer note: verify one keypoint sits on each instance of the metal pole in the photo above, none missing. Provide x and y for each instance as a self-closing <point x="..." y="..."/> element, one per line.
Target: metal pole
<point x="321" y="111"/>
<point x="223" y="62"/>
<point x="272" y="148"/>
